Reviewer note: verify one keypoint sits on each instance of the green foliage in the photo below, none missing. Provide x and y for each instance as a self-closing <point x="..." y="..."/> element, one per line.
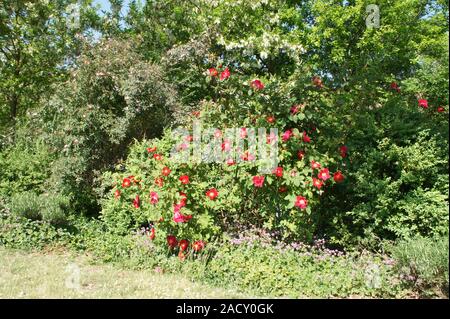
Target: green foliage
<point x="51" y="208"/>
<point x="424" y="262"/>
<point x="24" y="166"/>
<point x="113" y="97"/>
<point x="35" y="42"/>
<point x="23" y="233"/>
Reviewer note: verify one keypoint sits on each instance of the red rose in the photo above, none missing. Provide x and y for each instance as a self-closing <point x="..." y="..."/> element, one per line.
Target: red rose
<point x="137" y="202"/>
<point x="300" y="154"/>
<point x="230" y="162"/>
<point x="159" y="181"/>
<point x="183" y="199"/>
<point x="286" y="135"/>
<point x="196" y="113"/>
<point x="258" y="181"/>
<point x="301" y="202"/>
<point x="172" y="241"/>
<point x="213" y="72"/>
<point x="324" y="174"/>
<point x="212" y="193"/>
<point x="151" y="149"/>
<point x="441" y="109"/>
<point x="343" y="151"/>
<point x="152" y="233"/>
<point x="126" y="182"/>
<point x="338" y="177"/>
<point x="423" y="103"/>
<point x="117" y="193"/>
<point x="270" y="119"/>
<point x="189" y="138"/>
<point x="317" y="183"/>
<point x="154" y="198"/>
<point x="315" y="165"/>
<point x="225" y="74"/>
<point x="184" y="179"/>
<point x="257" y="84"/>
<point x="278" y="171"/>
<point x="306" y="138"/>
<point x="184" y="244"/>
<point x="157" y="157"/>
<point x="226" y="146"/>
<point x="282" y="189"/>
<point x="394" y="86"/>
<point x="295" y="109"/>
<point x="198" y="245"/>
<point x="166" y="171"/>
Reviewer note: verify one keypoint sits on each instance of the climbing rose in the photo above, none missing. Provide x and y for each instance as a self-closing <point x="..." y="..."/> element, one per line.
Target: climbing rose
<point x="189" y="138"/>
<point x="183" y="199"/>
<point x="117" y="193"/>
<point x="137" y="202"/>
<point x="166" y="171"/>
<point x="172" y="241"/>
<point x="159" y="181"/>
<point x="441" y="109"/>
<point x="278" y="171"/>
<point x="315" y="165"/>
<point x="151" y="149"/>
<point x="198" y="245"/>
<point x="301" y="202"/>
<point x="295" y="109"/>
<point x="226" y="146"/>
<point x="258" y="181"/>
<point x="271" y="138"/>
<point x="154" y="198"/>
<point x="212" y="193"/>
<point x="338" y="177"/>
<point x="126" y="182"/>
<point x="157" y="157"/>
<point x="213" y="72"/>
<point x="306" y="138"/>
<point x="270" y="119"/>
<point x="282" y="189"/>
<point x="324" y="174"/>
<point x="394" y="86"/>
<point x="230" y="162"/>
<point x="225" y="74"/>
<point x="257" y="84"/>
<point x="184" y="179"/>
<point x="184" y="244"/>
<point x="300" y="154"/>
<point x="423" y="103"/>
<point x="286" y="135"/>
<point x="317" y="183"/>
<point x="343" y="151"/>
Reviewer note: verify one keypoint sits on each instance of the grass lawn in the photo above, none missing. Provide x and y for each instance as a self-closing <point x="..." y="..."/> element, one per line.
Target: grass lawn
<point x="54" y="275"/>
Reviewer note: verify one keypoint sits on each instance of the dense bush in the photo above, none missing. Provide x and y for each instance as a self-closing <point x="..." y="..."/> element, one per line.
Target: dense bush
<point x="424" y="262"/>
<point x="112" y="97"/>
<point x="149" y="189"/>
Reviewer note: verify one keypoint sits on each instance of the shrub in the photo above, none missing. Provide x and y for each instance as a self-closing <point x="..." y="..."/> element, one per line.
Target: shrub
<point x="24" y="166"/>
<point x="111" y="98"/>
<point x="51" y="208"/>
<point x="424" y="263"/>
<point x="217" y="193"/>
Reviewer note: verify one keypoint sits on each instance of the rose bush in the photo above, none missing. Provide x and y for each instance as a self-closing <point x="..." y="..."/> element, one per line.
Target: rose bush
<point x="198" y="199"/>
